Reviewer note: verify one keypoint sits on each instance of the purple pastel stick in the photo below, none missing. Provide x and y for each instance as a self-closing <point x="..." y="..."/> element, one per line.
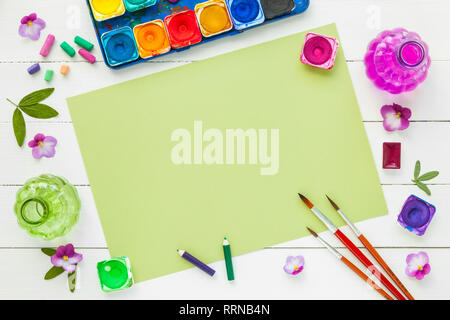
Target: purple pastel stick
<point x="34" y="68"/>
<point x="185" y="255"/>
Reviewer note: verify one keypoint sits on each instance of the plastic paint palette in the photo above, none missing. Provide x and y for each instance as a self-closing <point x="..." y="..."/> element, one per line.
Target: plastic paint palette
<point x="133" y="31"/>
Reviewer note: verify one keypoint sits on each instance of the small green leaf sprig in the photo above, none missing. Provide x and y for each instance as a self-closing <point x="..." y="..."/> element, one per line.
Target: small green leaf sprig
<point x="56" y="271"/>
<point x="30" y="105"/>
<point x="418" y="179"/>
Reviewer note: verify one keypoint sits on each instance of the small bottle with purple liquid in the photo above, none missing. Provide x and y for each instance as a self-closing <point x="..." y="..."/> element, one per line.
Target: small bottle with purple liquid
<point x="397" y="60"/>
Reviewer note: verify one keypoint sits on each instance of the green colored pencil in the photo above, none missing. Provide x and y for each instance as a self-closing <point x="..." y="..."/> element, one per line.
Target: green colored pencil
<point x="228" y="262"/>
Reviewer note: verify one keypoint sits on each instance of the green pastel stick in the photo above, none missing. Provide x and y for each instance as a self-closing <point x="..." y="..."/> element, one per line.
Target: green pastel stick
<point x="67" y="49"/>
<point x="228" y="262"/>
<point x="83" y="43"/>
<point x="48" y="75"/>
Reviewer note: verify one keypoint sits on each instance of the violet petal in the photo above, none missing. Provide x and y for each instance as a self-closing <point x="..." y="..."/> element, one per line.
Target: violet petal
<point x="406" y="113"/>
<point x="426" y="268"/>
<point x="404" y="124"/>
<point x="39" y="137"/>
<point x="69" y="267"/>
<point x="386" y="109"/>
<point x="57" y="261"/>
<point x="391" y="122"/>
<point x="33" y="143"/>
<point x="69" y="250"/>
<point x="37" y="152"/>
<point x="420" y="275"/>
<point x="422" y="258"/>
<point x="60" y="251"/>
<point x="76" y="258"/>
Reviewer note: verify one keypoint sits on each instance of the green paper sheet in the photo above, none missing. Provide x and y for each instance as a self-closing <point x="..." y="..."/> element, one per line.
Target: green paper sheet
<point x="169" y="169"/>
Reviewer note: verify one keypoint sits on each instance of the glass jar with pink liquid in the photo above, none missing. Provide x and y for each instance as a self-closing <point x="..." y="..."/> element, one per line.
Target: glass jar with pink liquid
<point x="397" y="60"/>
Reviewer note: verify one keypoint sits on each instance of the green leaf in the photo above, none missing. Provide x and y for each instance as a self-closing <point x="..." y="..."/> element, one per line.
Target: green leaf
<point x="53" y="273"/>
<point x="19" y="126"/>
<point x="48" y="251"/>
<point x="39" y="111"/>
<point x="35" y="97"/>
<point x="423" y="187"/>
<point x="417" y="169"/>
<point x="72" y="280"/>
<point x="428" y="176"/>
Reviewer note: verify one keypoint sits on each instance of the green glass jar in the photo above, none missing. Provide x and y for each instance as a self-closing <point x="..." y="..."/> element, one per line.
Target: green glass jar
<point x="47" y="206"/>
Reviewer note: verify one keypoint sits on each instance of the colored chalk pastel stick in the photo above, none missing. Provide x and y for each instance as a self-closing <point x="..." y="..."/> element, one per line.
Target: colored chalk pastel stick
<point x="34" y="68"/>
<point x="202" y="266"/>
<point x="67" y="49"/>
<point x="64" y="69"/>
<point x="83" y="43"/>
<point x="86" y="55"/>
<point x="48" y="44"/>
<point x="48" y="75"/>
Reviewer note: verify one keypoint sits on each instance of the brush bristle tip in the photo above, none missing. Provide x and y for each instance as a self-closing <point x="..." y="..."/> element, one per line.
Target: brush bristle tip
<point x="335" y="206"/>
<point x="312" y="232"/>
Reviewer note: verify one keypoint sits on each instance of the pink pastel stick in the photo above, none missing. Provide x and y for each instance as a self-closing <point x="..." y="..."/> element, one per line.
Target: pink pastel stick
<point x="86" y="54"/>
<point x="48" y="44"/>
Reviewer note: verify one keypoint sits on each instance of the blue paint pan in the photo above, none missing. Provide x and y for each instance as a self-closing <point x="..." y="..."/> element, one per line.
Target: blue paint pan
<point x="119" y="46"/>
<point x="245" y="13"/>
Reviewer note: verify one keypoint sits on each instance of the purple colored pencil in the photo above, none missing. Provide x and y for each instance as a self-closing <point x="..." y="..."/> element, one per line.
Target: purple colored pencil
<point x="185" y="255"/>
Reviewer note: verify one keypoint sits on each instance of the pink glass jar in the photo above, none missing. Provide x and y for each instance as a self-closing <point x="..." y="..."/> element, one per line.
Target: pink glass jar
<point x="397" y="60"/>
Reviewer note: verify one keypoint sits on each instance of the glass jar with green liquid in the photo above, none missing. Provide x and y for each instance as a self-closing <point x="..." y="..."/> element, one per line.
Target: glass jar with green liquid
<point x="47" y="206"/>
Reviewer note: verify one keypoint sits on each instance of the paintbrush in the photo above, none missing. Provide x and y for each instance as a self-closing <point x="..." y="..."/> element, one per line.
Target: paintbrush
<point x="355" y="269"/>
<point x="353" y="249"/>
<point x="371" y="249"/>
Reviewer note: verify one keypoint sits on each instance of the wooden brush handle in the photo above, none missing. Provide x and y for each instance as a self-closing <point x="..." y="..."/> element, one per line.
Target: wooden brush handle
<point x="384" y="265"/>
<point x="363" y="276"/>
<point x="369" y="265"/>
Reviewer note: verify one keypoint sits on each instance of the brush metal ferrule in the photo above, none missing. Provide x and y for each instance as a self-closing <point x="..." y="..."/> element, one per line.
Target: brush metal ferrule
<point x="324" y="219"/>
<point x="349" y="223"/>
<point x="329" y="247"/>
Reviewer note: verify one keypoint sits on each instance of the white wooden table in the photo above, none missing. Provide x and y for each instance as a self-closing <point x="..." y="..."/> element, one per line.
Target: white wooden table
<point x="259" y="274"/>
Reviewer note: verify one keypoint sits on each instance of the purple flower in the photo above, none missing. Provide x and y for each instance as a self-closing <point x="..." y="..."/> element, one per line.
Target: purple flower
<point x="395" y="117"/>
<point x="417" y="265"/>
<point x="43" y="146"/>
<point x="294" y="265"/>
<point x="31" y="26"/>
<point x="66" y="257"/>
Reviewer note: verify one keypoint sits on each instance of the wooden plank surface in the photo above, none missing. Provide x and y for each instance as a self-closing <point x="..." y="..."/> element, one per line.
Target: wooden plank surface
<point x="358" y="22"/>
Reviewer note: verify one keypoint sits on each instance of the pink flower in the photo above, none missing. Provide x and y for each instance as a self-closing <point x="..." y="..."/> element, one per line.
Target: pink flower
<point x="43" y="146"/>
<point x="395" y="117"/>
<point x="294" y="265"/>
<point x="417" y="265"/>
<point x="66" y="257"/>
<point x="31" y="26"/>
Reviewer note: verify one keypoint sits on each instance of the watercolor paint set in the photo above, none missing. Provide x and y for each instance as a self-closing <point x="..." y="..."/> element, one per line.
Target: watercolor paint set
<point x="133" y="31"/>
